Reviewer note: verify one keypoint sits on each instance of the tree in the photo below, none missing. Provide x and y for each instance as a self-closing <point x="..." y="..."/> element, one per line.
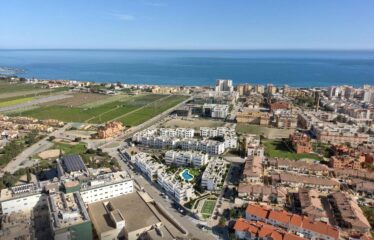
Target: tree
<point x="222" y="221"/>
<point x="28" y="176"/>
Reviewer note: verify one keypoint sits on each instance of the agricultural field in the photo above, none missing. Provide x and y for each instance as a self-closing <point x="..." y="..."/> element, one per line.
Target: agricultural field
<point x="277" y="148"/>
<point x="77" y="99"/>
<point x="151" y="110"/>
<point x="16" y="101"/>
<point x="6" y="87"/>
<point x="131" y="110"/>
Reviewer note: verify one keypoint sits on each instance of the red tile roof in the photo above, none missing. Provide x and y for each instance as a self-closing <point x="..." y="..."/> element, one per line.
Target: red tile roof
<point x="258" y="210"/>
<point x="280" y="216"/>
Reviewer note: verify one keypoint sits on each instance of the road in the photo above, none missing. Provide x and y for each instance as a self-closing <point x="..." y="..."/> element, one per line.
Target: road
<point x="23" y="159"/>
<point x="185" y="221"/>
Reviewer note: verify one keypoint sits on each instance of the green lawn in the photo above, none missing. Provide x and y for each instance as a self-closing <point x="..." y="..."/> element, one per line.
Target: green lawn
<point x="15" y="101"/>
<point x="277" y="148"/>
<point x="79" y="148"/>
<point x="208" y="207"/>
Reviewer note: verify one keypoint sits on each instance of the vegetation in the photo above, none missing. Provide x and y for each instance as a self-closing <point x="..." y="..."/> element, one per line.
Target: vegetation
<point x="15" y="147"/>
<point x="369" y="214"/>
<point x="304" y="101"/>
<point x="15" y="101"/>
<point x="278" y="148"/>
<point x="125" y="110"/>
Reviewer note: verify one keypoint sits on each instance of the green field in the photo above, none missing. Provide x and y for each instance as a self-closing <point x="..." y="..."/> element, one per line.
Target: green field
<point x="124" y="110"/>
<point x="151" y="110"/>
<point x="15" y="101"/>
<point x="79" y="148"/>
<point x="208" y="207"/>
<point x="277" y="148"/>
<point x="6" y="87"/>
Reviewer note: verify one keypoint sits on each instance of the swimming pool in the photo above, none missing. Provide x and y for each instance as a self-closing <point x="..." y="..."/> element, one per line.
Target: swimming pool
<point x="186" y="175"/>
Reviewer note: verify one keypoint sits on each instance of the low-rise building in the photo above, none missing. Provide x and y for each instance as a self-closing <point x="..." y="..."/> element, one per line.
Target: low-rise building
<point x="348" y="214"/>
<point x="110" y="129"/>
<point x="215" y="110"/>
<point x="301" y="167"/>
<point x="347" y="162"/>
<point x="311" y="205"/>
<point x="297" y="181"/>
<point x="293" y="223"/>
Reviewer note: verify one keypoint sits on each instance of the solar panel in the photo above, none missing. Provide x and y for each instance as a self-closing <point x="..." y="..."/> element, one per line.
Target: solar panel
<point x="73" y="163"/>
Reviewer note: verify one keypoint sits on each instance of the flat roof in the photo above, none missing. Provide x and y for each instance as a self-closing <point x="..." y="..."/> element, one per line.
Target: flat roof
<point x="133" y="208"/>
<point x="73" y="163"/>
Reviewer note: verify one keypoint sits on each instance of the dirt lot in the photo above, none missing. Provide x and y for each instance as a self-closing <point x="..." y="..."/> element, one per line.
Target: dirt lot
<point x="77" y="100"/>
<point x="52" y="153"/>
<point x="192" y="123"/>
<point x="267" y="132"/>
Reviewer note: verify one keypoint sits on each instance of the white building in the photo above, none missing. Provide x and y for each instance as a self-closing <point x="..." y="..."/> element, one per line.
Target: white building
<point x="224" y="86"/>
<point x="180" y="191"/>
<point x="186" y="158"/>
<point x="213" y="175"/>
<point x="106" y="186"/>
<point x="215" y="110"/>
<point x="146" y="165"/>
<point x="23" y="197"/>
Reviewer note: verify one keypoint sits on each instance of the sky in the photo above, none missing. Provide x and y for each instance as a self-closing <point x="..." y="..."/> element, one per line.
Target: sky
<point x="187" y="24"/>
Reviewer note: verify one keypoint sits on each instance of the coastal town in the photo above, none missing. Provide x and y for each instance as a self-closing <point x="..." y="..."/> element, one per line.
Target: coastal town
<point x="86" y="160"/>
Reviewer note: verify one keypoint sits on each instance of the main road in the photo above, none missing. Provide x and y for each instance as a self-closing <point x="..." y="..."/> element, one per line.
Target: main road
<point x="187" y="222"/>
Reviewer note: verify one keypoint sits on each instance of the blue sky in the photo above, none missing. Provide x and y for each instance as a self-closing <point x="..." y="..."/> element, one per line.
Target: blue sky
<point x="187" y="24"/>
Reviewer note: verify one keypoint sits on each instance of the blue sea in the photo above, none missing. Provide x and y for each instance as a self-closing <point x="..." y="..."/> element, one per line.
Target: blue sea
<point x="196" y="67"/>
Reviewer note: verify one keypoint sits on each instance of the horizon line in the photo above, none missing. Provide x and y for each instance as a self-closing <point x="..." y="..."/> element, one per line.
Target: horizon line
<point x="189" y="49"/>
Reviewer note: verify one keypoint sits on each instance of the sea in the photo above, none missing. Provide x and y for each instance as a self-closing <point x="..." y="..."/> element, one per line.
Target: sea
<point x="194" y="67"/>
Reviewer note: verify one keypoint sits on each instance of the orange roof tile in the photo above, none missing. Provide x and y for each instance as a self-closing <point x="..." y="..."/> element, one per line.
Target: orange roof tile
<point x="257" y="210"/>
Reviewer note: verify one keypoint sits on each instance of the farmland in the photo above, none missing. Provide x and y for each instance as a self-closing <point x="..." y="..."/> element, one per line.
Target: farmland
<point x="131" y="110"/>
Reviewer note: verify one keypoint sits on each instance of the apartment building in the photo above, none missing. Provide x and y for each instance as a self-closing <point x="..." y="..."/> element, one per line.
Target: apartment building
<point x="178" y="132"/>
<point x="147" y="165"/>
<point x="300" y="142"/>
<point x="215" y="110"/>
<point x="105" y="186"/>
<point x="253" y="117"/>
<point x="180" y="191"/>
<point x="186" y="158"/>
<point x="214" y="174"/>
<point x="347" y="162"/>
<point x="224" y="85"/>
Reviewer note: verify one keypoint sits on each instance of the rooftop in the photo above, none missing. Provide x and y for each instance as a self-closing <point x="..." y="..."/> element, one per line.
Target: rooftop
<point x="132" y="207"/>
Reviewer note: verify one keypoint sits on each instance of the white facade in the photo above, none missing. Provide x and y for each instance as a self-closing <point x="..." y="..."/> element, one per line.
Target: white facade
<point x="186" y="158"/>
<point x="146" y="165"/>
<point x="213" y="174"/>
<point x="180" y="191"/>
<point x="105" y="186"/>
<point x="224" y="86"/>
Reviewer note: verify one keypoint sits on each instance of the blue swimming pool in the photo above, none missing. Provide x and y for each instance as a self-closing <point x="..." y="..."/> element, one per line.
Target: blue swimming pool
<point x="186" y="175"/>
